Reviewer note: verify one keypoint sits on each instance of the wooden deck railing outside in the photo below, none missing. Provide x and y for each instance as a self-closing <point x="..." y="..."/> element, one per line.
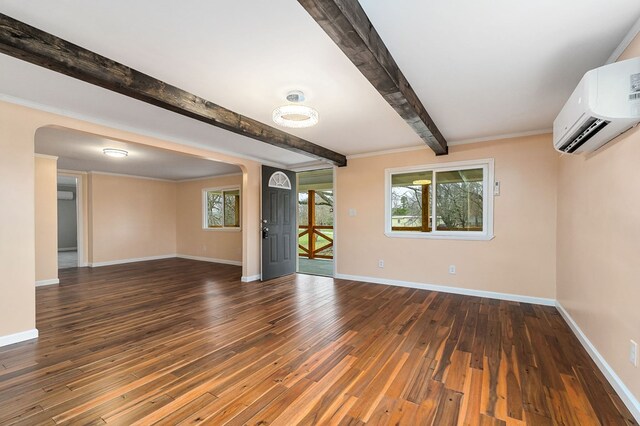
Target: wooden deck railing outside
<point x="313" y="230"/>
<point x="313" y="252"/>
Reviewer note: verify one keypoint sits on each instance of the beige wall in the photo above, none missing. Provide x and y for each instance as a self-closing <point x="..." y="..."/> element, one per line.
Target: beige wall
<point x="17" y="227"/>
<point x="131" y="218"/>
<point x="632" y="51"/>
<point x="192" y="239"/>
<point x="46" y="218"/>
<point x="520" y="259"/>
<point x="18" y="126"/>
<point x="598" y="279"/>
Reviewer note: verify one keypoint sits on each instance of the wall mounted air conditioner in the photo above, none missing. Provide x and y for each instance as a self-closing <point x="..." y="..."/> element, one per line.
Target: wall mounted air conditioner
<point x="605" y="104"/>
<point x="65" y="195"/>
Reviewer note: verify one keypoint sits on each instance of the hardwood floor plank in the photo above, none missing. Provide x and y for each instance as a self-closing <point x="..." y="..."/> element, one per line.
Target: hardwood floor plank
<point x="514" y="389"/>
<point x="449" y="408"/>
<point x="458" y="370"/>
<point x="257" y="405"/>
<point x="473" y="398"/>
<point x="333" y="400"/>
<point x="369" y="399"/>
<point x="177" y="341"/>
<point x="420" y="385"/>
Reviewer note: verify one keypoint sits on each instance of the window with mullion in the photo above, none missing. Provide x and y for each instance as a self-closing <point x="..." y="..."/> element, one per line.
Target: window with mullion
<point x="442" y="200"/>
<point x="222" y="208"/>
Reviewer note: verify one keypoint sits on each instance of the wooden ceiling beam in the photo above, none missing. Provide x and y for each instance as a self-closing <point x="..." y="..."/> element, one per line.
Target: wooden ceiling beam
<point x="38" y="47"/>
<point x="349" y="27"/>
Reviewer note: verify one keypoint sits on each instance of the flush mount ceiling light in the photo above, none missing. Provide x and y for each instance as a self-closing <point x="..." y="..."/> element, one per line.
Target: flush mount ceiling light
<point x="113" y="152"/>
<point x="422" y="182"/>
<point x="295" y="116"/>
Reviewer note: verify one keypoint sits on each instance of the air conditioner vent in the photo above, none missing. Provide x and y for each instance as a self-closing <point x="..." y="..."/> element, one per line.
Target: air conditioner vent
<point x="589" y="129"/>
<point x="65" y="195"/>
<point x="604" y="104"/>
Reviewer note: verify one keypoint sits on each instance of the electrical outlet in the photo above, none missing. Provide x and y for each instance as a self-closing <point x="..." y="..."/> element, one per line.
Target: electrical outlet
<point x="452" y="269"/>
<point x="633" y="353"/>
<point x="380" y="263"/>
<point x="352" y="212"/>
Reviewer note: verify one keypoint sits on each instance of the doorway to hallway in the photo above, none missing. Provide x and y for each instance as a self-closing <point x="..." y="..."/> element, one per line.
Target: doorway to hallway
<point x="67" y="222"/>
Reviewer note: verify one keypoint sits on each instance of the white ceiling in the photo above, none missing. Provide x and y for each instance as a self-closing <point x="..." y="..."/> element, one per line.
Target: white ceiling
<point x="316" y="177"/>
<point x="83" y="152"/>
<point x="482" y="68"/>
<point x="497" y="67"/>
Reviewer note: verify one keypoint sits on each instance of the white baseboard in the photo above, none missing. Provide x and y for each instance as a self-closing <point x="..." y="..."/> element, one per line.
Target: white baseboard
<point x="618" y="385"/>
<point x="18" y="337"/>
<point x="52" y="281"/>
<point x="210" y="259"/>
<point x="138" y="259"/>
<point x="455" y="290"/>
<point x="250" y="278"/>
<point x="165" y="256"/>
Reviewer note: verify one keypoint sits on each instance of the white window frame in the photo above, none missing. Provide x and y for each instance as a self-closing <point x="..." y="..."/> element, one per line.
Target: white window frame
<point x="205" y="223"/>
<point x="487" y="166"/>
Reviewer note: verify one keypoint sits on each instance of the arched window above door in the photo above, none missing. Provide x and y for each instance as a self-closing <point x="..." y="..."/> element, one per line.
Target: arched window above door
<point x="279" y="180"/>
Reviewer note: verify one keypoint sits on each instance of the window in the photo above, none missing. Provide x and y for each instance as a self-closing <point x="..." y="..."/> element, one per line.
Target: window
<point x="449" y="200"/>
<point x="279" y="180"/>
<point x="221" y="208"/>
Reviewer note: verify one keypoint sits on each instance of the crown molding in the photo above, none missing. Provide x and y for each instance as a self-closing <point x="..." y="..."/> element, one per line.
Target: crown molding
<point x="48" y="157"/>
<point x="626" y="41"/>
<point x="208" y="177"/>
<point x="502" y="136"/>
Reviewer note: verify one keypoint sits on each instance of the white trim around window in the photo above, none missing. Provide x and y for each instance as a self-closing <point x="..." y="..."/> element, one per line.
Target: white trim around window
<point x="487" y="200"/>
<point x="205" y="224"/>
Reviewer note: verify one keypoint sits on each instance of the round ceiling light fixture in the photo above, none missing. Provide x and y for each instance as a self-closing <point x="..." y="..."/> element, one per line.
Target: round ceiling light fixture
<point x="114" y="152"/>
<point x="295" y="116"/>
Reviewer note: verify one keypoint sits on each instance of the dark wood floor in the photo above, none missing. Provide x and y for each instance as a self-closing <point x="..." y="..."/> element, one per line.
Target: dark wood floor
<point x="179" y="342"/>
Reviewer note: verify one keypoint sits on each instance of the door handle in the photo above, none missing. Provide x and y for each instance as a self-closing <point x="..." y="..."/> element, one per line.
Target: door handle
<point x="265" y="232"/>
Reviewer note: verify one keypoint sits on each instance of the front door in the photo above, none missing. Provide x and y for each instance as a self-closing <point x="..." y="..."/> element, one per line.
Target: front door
<point x="279" y="233"/>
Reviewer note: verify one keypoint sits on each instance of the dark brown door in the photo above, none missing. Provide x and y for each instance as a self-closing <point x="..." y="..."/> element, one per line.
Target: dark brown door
<point x="279" y="232"/>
